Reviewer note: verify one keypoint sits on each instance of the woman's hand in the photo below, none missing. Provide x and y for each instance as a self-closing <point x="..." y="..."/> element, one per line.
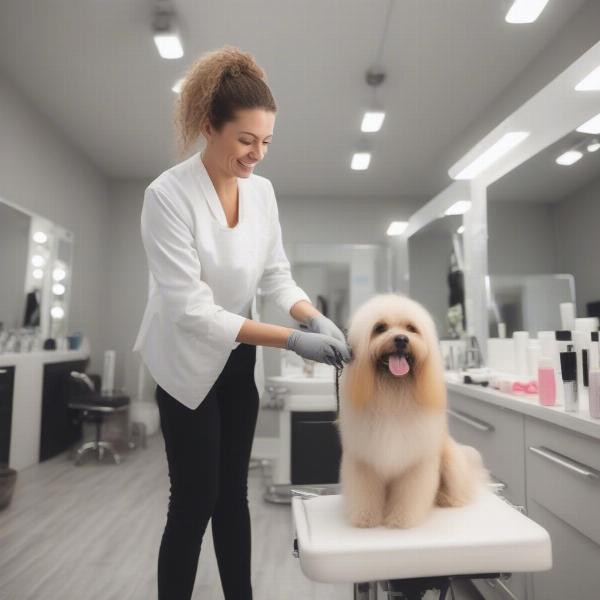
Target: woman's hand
<point x="321" y="324"/>
<point x="319" y="347"/>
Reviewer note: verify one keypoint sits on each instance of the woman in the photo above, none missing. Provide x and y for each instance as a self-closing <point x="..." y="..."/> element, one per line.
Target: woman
<point x="211" y="233"/>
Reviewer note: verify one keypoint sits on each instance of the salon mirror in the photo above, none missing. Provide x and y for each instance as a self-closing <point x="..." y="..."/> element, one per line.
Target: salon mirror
<point x="36" y="258"/>
<point x="436" y="267"/>
<point x="543" y="237"/>
<point x="14" y="251"/>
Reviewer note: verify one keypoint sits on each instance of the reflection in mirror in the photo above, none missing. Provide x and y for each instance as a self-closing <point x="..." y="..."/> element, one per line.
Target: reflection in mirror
<point x="436" y="267"/>
<point x="542" y="238"/>
<point x="340" y="277"/>
<point x="14" y="250"/>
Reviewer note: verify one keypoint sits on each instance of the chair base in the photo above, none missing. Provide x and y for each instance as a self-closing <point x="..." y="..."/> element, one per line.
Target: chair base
<point x="99" y="448"/>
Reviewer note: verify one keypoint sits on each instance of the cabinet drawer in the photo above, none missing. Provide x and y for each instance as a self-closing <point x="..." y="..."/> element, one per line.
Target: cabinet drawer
<point x="575" y="561"/>
<point x="498" y="433"/>
<point x="563" y="475"/>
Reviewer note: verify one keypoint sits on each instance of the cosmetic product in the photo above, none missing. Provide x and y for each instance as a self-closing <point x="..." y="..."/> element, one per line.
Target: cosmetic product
<point x="567" y="315"/>
<point x="594" y="376"/>
<point x="546" y="381"/>
<point x="533" y="357"/>
<point x="586" y="324"/>
<point x="501" y="330"/>
<point x="108" y="373"/>
<point x="521" y="340"/>
<point x="562" y="339"/>
<point x="581" y="341"/>
<point x="568" y="369"/>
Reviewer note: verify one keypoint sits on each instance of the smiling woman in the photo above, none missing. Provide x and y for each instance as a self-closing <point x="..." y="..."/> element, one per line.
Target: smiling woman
<point x="211" y="233"/>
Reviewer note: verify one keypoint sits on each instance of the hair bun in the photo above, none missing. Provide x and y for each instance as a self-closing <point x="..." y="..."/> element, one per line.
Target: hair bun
<point x="234" y="70"/>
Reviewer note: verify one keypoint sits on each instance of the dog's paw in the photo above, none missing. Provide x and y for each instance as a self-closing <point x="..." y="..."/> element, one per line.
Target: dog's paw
<point x="364" y="517"/>
<point x="400" y="519"/>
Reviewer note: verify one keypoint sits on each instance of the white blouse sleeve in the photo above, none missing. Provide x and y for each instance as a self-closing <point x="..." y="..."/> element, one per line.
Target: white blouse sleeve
<point x="276" y="281"/>
<point x="173" y="261"/>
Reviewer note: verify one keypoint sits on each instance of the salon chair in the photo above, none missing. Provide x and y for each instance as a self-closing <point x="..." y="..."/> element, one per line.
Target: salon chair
<point x="92" y="407"/>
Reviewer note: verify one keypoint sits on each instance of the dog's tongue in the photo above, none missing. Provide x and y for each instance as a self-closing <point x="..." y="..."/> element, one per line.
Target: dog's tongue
<point x="398" y="365"/>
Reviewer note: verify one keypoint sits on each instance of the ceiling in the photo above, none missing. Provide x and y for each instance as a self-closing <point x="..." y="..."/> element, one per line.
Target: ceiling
<point x="540" y="179"/>
<point x="92" y="68"/>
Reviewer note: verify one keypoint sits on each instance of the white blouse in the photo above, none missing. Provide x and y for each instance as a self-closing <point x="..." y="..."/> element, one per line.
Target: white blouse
<point x="204" y="275"/>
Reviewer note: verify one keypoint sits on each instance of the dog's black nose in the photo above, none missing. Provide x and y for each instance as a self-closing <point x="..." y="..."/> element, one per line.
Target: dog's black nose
<point x="401" y="341"/>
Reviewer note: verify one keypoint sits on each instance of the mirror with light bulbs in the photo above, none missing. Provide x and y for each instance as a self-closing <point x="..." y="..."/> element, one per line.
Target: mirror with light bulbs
<point x="543" y="237"/>
<point x="36" y="257"/>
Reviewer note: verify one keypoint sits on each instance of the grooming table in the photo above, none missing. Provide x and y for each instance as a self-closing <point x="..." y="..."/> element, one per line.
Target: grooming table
<point x="489" y="538"/>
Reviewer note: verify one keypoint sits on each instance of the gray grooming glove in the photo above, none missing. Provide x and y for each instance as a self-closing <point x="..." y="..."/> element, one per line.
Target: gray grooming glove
<point x="319" y="347"/>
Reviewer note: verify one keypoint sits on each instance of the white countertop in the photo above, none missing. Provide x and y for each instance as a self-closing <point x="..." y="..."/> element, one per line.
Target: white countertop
<point x="528" y="404"/>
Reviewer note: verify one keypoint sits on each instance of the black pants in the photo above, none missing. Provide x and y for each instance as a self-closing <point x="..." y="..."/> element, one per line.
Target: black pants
<point x="208" y="454"/>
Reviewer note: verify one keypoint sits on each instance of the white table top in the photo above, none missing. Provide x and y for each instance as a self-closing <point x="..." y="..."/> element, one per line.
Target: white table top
<point x="487" y="536"/>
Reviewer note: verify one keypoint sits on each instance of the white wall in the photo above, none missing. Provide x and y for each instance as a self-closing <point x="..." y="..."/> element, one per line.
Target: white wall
<point x="41" y="172"/>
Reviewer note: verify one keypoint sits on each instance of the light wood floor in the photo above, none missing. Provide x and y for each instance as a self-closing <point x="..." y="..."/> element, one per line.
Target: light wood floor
<point x="92" y="533"/>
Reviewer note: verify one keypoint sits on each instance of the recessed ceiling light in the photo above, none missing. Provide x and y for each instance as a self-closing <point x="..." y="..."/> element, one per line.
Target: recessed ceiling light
<point x="525" y="11"/>
<point x="360" y="161"/>
<point x="569" y="157"/>
<point x="458" y="208"/>
<point x="397" y="227"/>
<point x="591" y="126"/>
<point x="590" y="82"/>
<point x="372" y="121"/>
<point x="504" y="145"/>
<point x="594" y="146"/>
<point x="461" y="229"/>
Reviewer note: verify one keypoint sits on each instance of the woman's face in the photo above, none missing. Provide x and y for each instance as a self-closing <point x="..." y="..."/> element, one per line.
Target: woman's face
<point x="241" y="144"/>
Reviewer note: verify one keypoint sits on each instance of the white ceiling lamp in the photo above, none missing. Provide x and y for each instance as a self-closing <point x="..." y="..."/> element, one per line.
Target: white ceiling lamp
<point x="177" y="87"/>
<point x="360" y="161"/>
<point x="372" y="121"/>
<point x="397" y="227"/>
<point x="166" y="31"/>
<point x="569" y="157"/>
<point x="593" y="146"/>
<point x="590" y="82"/>
<point x="525" y="11"/>
<point x="458" y="208"/>
<point x="504" y="145"/>
<point x="460" y="230"/>
<point x="591" y="126"/>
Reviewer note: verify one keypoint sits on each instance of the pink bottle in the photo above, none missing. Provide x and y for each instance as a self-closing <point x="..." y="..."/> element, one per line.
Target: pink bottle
<point x="546" y="382"/>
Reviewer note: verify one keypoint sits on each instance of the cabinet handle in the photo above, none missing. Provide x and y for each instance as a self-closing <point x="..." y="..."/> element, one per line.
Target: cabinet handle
<point x="3" y="371"/>
<point x="497" y="584"/>
<point x="470" y="421"/>
<point x="567" y="463"/>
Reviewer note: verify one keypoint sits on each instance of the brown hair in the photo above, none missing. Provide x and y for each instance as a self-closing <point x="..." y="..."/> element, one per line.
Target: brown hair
<point x="216" y="85"/>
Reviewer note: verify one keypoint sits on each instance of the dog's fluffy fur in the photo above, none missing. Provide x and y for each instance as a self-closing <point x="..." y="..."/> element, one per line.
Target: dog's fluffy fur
<point x="398" y="459"/>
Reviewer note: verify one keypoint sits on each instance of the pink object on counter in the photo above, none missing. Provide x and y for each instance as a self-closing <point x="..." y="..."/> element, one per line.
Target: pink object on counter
<point x="527" y="387"/>
<point x="547" y="385"/>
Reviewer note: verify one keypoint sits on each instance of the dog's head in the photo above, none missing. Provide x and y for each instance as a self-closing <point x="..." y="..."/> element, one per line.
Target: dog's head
<point x="394" y="343"/>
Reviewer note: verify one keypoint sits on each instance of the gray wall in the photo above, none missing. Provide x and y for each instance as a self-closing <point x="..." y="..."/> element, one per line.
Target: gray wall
<point x="41" y="172"/>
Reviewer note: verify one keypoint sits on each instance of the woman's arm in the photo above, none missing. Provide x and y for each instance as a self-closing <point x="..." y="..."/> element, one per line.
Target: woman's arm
<point x="275" y="336"/>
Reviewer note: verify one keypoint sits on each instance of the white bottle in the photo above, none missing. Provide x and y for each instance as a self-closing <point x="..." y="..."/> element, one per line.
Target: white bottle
<point x="108" y="373"/>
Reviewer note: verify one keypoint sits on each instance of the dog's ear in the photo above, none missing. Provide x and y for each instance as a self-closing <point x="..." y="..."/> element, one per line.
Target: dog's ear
<point x="360" y="377"/>
<point x="430" y="385"/>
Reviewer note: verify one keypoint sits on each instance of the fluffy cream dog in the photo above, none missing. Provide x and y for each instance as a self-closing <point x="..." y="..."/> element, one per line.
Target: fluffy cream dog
<point x="398" y="459"/>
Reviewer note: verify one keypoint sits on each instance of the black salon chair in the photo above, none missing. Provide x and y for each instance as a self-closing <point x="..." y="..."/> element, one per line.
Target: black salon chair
<point x="92" y="406"/>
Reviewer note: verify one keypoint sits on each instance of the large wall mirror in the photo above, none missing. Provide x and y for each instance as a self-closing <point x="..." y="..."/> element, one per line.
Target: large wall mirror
<point x="36" y="258"/>
<point x="543" y="221"/>
<point x="436" y="266"/>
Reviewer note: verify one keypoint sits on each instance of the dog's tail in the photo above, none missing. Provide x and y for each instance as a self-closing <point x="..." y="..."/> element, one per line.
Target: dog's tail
<point x="462" y="474"/>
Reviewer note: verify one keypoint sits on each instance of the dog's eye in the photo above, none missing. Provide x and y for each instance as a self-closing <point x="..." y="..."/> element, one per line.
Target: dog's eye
<point x="379" y="328"/>
<point x="411" y="327"/>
